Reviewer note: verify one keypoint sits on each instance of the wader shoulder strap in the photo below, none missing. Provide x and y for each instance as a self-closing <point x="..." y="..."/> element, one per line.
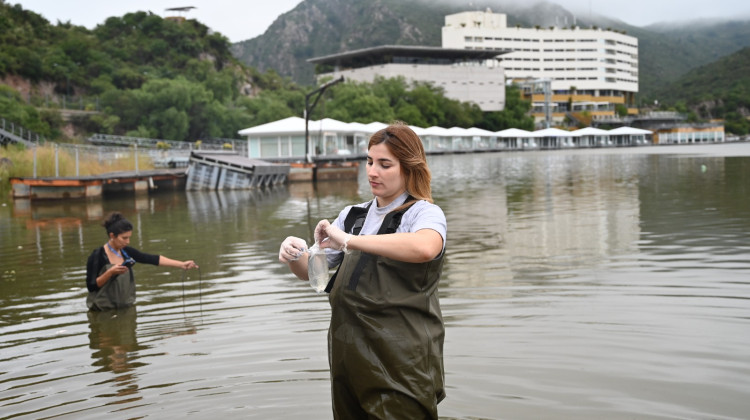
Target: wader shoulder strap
<point x="353" y="224"/>
<point x="392" y="220"/>
<point x="355" y="219"/>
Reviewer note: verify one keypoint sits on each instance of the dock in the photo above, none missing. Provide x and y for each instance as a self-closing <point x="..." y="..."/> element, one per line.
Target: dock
<point x="56" y="188"/>
<point x="230" y="171"/>
<point x="207" y="170"/>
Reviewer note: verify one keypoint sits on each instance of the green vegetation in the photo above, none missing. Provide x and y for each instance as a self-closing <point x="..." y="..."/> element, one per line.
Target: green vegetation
<point x="149" y="76"/>
<point x="14" y="109"/>
<point x="420" y="104"/>
<point x="720" y="90"/>
<point x="146" y="76"/>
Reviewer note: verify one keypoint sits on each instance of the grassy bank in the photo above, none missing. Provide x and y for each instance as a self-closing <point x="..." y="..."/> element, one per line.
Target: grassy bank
<point x="18" y="161"/>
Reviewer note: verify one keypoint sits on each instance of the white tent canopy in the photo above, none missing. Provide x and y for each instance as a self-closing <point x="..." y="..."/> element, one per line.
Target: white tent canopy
<point x="359" y="127"/>
<point x="436" y="131"/>
<point x="474" y="131"/>
<point x="328" y="124"/>
<point x="553" y="132"/>
<point x="458" y="131"/>
<point x="297" y="125"/>
<point x="287" y="125"/>
<point x="514" y="132"/>
<point x="374" y="127"/>
<point x="417" y="130"/>
<point x="285" y="138"/>
<point x="620" y="131"/>
<point x="591" y="131"/>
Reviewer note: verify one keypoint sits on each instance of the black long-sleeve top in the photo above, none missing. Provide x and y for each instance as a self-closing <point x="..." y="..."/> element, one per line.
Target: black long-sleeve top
<point x="98" y="259"/>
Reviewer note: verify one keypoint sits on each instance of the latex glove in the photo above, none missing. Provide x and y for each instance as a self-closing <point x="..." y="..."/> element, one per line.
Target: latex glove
<point x="291" y="249"/>
<point x="320" y="231"/>
<point x="335" y="237"/>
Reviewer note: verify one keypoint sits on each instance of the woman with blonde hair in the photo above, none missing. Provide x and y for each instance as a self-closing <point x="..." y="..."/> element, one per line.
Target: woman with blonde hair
<point x="385" y="340"/>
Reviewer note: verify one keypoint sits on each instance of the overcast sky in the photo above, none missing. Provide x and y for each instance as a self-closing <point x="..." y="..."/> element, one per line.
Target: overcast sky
<point x="241" y="20"/>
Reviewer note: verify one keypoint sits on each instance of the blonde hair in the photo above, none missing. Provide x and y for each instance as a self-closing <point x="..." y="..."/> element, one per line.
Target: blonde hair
<point x="407" y="147"/>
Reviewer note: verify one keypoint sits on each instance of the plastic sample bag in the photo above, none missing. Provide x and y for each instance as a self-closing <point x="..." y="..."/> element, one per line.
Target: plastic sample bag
<point x="317" y="268"/>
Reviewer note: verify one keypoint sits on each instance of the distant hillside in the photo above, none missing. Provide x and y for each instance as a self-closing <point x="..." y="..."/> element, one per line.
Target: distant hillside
<point x="717" y="90"/>
<point x="147" y="76"/>
<point x="320" y="27"/>
<point x="729" y="74"/>
<point x="668" y="52"/>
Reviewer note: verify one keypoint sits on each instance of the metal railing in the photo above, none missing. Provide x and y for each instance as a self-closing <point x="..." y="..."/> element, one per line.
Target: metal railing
<point x="239" y="146"/>
<point x="11" y="132"/>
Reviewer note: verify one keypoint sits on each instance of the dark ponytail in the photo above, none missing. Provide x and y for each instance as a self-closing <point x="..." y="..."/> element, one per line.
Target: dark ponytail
<point x="117" y="223"/>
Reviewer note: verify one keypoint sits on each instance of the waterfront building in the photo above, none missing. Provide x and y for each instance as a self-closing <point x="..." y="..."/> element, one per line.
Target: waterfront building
<point x="464" y="75"/>
<point x="673" y="128"/>
<point x="515" y="138"/>
<point x="591" y="137"/>
<point x="669" y="127"/>
<point x="590" y="72"/>
<point x="284" y="140"/>
<point x="629" y="136"/>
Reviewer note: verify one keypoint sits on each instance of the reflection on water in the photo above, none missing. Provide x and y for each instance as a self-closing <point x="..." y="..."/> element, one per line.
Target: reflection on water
<point x="115" y="349"/>
<point x="583" y="284"/>
<point x="112" y="338"/>
<point x="554" y="212"/>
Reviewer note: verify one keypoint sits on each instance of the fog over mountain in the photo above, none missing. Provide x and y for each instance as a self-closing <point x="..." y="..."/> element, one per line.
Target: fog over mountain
<point x="320" y="27"/>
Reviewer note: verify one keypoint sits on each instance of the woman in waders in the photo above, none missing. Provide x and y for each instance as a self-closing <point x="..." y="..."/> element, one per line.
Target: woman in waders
<point x="109" y="272"/>
<point x="385" y="341"/>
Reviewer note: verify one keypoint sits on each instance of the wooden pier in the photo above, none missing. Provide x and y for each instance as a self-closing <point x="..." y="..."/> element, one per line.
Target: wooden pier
<point x="55" y="188"/>
<point x="229" y="171"/>
<point x="323" y="171"/>
<point x="206" y="171"/>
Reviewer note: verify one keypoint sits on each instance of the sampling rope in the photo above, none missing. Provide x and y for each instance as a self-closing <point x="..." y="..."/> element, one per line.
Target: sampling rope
<point x="200" y="293"/>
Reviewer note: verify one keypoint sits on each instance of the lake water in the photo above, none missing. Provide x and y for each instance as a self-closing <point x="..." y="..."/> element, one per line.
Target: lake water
<point x="587" y="284"/>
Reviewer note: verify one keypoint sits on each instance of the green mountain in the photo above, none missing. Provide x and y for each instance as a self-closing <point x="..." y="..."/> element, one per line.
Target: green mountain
<point x="320" y="27"/>
<point x="147" y="76"/>
<point x="670" y="51"/>
<point x="717" y="90"/>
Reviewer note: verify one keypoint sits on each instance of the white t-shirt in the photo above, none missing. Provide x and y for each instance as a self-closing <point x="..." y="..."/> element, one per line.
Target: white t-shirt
<point x="421" y="215"/>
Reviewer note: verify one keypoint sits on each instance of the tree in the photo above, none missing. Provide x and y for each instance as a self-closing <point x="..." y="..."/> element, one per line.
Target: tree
<point x="515" y="114"/>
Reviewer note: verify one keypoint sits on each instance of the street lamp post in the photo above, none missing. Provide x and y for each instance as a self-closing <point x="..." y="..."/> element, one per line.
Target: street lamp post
<point x="309" y="108"/>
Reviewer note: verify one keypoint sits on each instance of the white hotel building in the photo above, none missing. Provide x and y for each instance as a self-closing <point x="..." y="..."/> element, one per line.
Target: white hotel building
<point x="590" y="70"/>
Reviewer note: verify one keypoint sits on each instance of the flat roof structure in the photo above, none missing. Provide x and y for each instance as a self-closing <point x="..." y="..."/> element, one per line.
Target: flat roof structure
<point x="386" y="54"/>
<point x="463" y="75"/>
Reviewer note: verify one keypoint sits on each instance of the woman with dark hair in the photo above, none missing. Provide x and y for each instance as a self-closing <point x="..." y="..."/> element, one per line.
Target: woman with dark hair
<point x="385" y="340"/>
<point x="109" y="272"/>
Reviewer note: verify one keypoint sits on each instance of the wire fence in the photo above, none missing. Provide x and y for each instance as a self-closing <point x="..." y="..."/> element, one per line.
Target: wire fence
<point x="68" y="160"/>
<point x="107" y="153"/>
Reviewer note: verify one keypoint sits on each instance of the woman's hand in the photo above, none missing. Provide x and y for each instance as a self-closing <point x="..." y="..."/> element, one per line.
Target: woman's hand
<point x="331" y="236"/>
<point x="291" y="249"/>
<point x="187" y="265"/>
<point x="320" y="231"/>
<point x="117" y="269"/>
